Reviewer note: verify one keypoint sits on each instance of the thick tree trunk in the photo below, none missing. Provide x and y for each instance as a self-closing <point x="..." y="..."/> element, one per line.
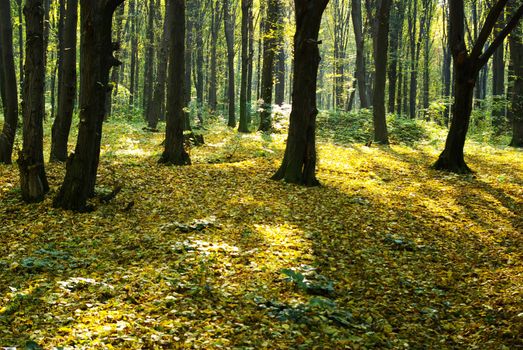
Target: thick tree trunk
<point x="96" y="61"/>
<point x="33" y="180"/>
<point x="360" y="53"/>
<point x="174" y="152"/>
<point x="10" y="101"/>
<point x="244" y="107"/>
<point x="381" y="134"/>
<point x="299" y="162"/>
<point x="67" y="91"/>
<point x="229" y="38"/>
<point x="269" y="52"/>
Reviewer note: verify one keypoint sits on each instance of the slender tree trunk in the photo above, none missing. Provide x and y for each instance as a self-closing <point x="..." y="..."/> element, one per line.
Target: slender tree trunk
<point x="360" y="53"/>
<point x="299" y="162"/>
<point x="395" y="38"/>
<point x="381" y="134"/>
<point x="213" y="85"/>
<point x="199" y="62"/>
<point x="149" y="62"/>
<point x="96" y="61"/>
<point x="250" y="68"/>
<point x="33" y="180"/>
<point x="21" y="42"/>
<point x="67" y="96"/>
<point x="269" y="51"/>
<point x="133" y="13"/>
<point x="229" y="38"/>
<point x="157" y="109"/>
<point x="498" y="82"/>
<point x="7" y="137"/>
<point x="174" y="152"/>
<point x="244" y="108"/>
<point x="279" y="96"/>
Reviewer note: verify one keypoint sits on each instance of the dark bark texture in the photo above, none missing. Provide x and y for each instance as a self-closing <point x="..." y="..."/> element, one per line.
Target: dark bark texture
<point x="299" y="162"/>
<point x="96" y="61"/>
<point x="33" y="179"/>
<point x="10" y="100"/>
<point x="67" y="90"/>
<point x="174" y="152"/>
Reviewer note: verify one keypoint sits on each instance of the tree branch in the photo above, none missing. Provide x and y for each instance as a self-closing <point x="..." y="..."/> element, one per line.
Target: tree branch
<point x="489" y="24"/>
<point x="483" y="59"/>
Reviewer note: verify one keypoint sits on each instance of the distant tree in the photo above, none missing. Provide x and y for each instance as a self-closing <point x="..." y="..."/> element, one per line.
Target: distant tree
<point x="174" y="152"/>
<point x="10" y="95"/>
<point x="466" y="67"/>
<point x="67" y="90"/>
<point x="229" y="19"/>
<point x="96" y="61"/>
<point x="270" y="36"/>
<point x="357" y="21"/>
<point x="33" y="179"/>
<point x="244" y="103"/>
<point x="299" y="162"/>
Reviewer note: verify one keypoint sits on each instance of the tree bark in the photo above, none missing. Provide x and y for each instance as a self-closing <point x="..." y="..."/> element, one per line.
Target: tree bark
<point x="244" y="107"/>
<point x="357" y="20"/>
<point x="299" y="162"/>
<point x="269" y="52"/>
<point x="174" y="152"/>
<point x="229" y="38"/>
<point x="381" y="134"/>
<point x="516" y="55"/>
<point x="67" y="91"/>
<point x="213" y="85"/>
<point x="7" y="137"/>
<point x="33" y="179"/>
<point x="96" y="61"/>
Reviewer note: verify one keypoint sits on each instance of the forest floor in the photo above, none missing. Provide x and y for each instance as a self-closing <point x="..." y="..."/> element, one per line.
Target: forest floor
<point x="387" y="253"/>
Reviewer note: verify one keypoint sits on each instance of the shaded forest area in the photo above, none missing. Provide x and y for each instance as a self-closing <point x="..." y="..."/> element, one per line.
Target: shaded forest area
<point x="143" y="144"/>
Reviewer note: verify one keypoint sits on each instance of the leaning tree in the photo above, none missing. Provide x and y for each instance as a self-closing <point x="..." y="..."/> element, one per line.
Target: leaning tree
<point x="33" y="179"/>
<point x="299" y="162"/>
<point x="97" y="59"/>
<point x="466" y="69"/>
<point x="7" y="83"/>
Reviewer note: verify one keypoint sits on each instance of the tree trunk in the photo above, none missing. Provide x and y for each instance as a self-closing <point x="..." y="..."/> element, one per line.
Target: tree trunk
<point x="516" y="55"/>
<point x="199" y="62"/>
<point x="395" y="38"/>
<point x="299" y="162"/>
<point x="133" y="13"/>
<point x="244" y="110"/>
<point x="67" y="91"/>
<point x="213" y="85"/>
<point x="229" y="38"/>
<point x="20" y="42"/>
<point x="466" y="68"/>
<point x="149" y="63"/>
<point x="157" y="110"/>
<point x="33" y="180"/>
<point x="381" y="134"/>
<point x="360" y="53"/>
<point x="7" y="137"/>
<point x="498" y="82"/>
<point x="279" y="95"/>
<point x="96" y="61"/>
<point x="174" y="152"/>
<point x="269" y="51"/>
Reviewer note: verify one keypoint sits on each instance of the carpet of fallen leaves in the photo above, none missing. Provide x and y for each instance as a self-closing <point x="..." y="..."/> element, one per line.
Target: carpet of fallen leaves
<point x="386" y="254"/>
